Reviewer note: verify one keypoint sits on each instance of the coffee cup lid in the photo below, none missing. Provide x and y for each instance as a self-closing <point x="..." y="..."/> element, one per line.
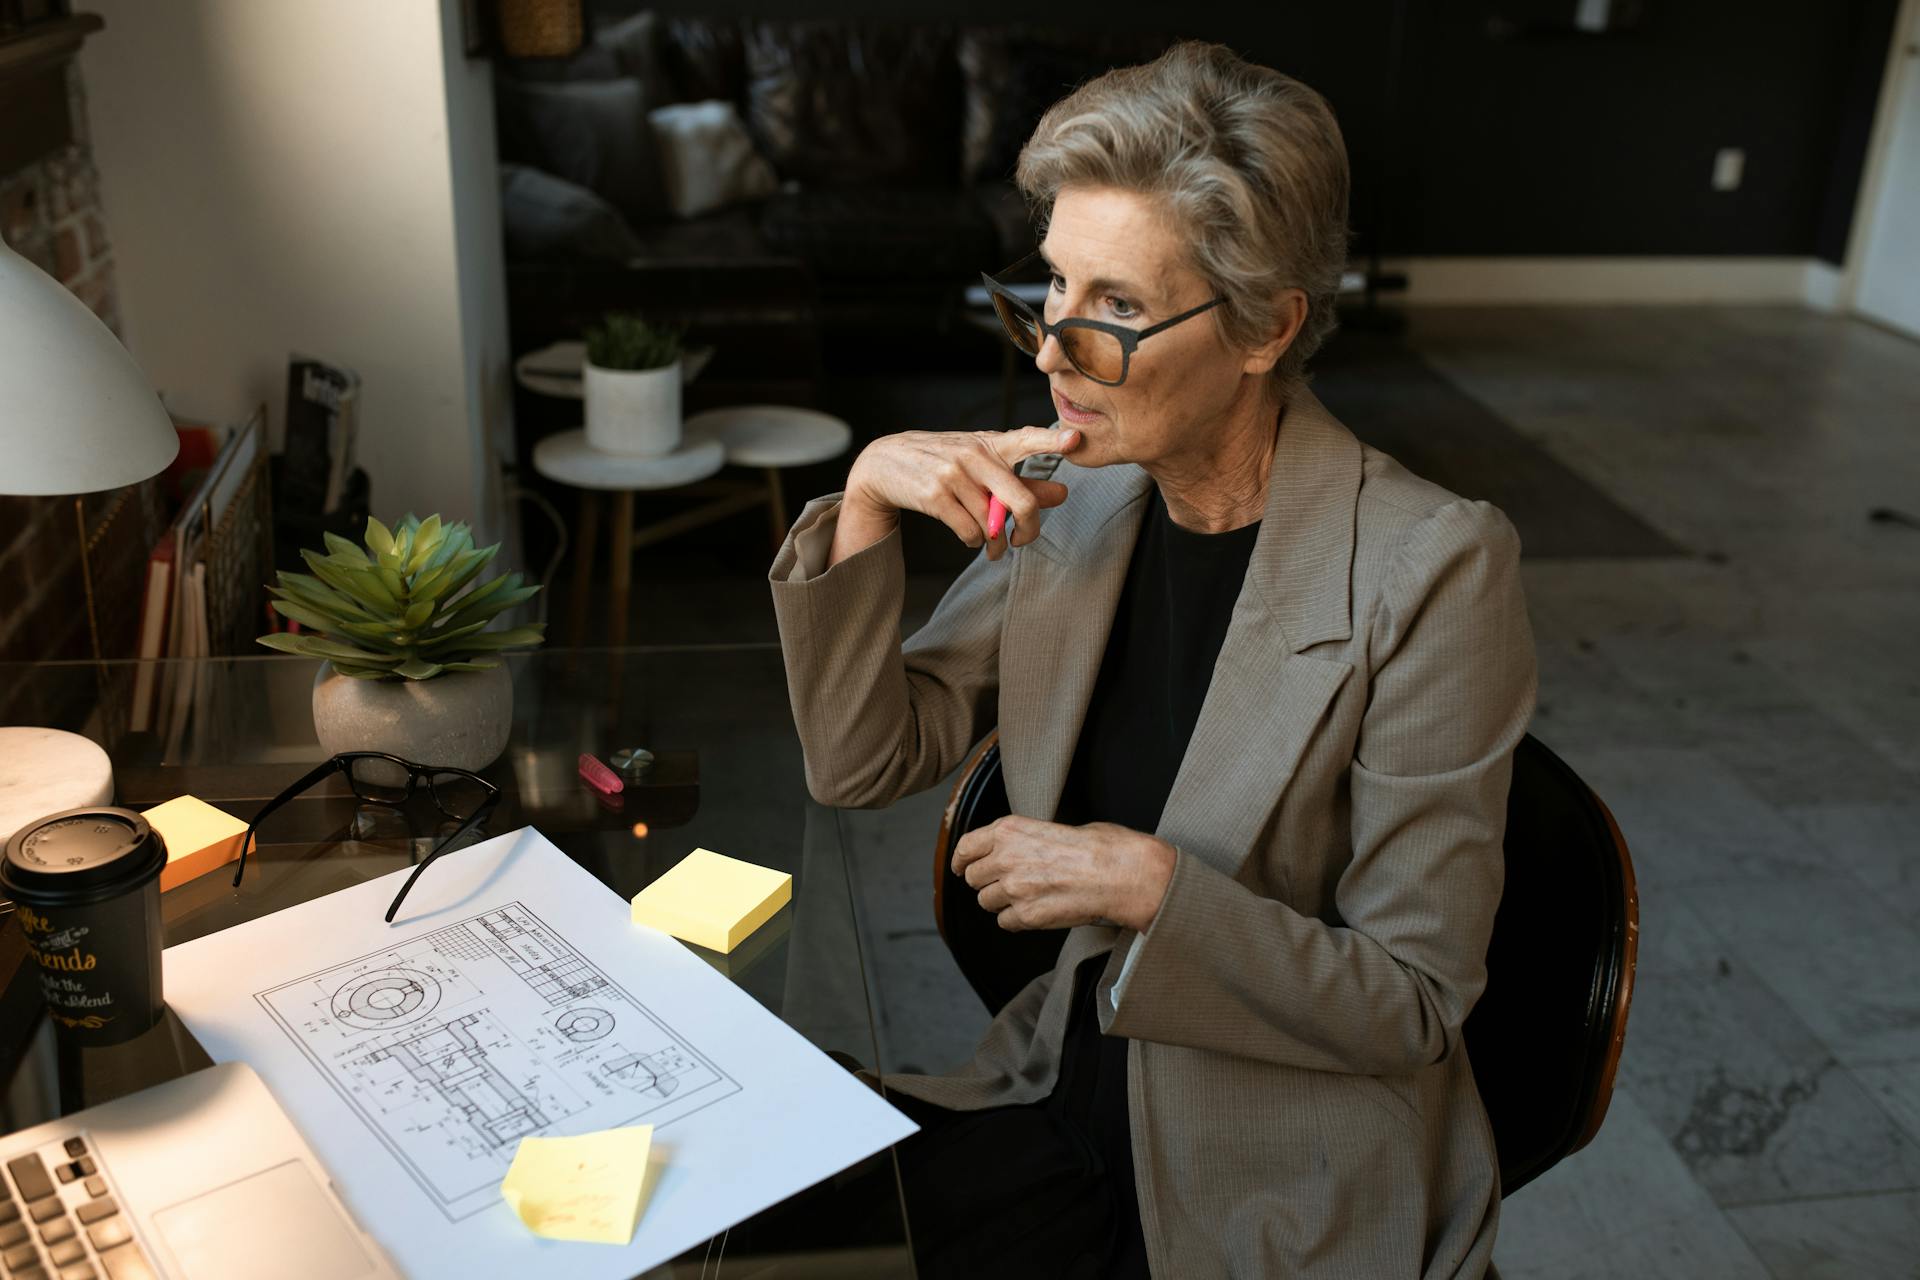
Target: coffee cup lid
<point x="81" y="855"/>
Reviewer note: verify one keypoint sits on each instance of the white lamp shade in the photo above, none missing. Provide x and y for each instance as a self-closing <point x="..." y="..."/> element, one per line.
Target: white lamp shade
<point x="76" y="412"/>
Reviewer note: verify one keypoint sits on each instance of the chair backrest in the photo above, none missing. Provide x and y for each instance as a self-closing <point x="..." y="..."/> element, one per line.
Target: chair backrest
<point x="1544" y="1038"/>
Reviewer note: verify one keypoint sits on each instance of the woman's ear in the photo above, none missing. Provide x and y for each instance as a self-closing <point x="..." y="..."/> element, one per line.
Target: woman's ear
<point x="1289" y="318"/>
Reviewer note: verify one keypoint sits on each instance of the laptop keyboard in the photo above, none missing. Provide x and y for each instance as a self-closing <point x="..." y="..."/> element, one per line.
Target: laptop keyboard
<point x="59" y="1220"/>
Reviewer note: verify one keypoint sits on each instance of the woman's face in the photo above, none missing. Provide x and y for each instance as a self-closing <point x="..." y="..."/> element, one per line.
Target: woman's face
<point x="1115" y="258"/>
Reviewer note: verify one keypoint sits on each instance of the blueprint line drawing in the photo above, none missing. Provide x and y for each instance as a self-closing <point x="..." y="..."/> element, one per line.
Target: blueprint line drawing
<point x="453" y="1045"/>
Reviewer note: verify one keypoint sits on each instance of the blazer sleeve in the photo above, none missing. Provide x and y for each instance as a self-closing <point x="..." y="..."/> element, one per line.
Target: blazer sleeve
<point x="1384" y="991"/>
<point x="878" y="719"/>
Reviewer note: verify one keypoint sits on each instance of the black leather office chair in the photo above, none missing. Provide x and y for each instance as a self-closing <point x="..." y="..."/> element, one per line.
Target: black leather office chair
<point x="1545" y="1037"/>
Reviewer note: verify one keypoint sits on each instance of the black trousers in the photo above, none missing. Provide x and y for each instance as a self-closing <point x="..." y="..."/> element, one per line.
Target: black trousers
<point x="1041" y="1190"/>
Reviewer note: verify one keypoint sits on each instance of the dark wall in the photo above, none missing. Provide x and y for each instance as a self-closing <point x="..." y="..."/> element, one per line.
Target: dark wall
<point x="1539" y="142"/>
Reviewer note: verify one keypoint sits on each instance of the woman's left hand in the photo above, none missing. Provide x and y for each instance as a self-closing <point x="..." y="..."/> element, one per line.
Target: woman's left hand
<point x="1042" y="875"/>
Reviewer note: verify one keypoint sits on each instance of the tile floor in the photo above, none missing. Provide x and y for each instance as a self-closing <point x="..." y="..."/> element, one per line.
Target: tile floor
<point x="1751" y="712"/>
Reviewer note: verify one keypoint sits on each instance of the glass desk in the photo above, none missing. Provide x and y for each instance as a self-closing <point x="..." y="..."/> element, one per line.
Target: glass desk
<point x="728" y="776"/>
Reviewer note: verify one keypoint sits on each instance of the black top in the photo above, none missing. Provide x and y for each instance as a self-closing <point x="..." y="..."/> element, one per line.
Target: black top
<point x="1167" y="632"/>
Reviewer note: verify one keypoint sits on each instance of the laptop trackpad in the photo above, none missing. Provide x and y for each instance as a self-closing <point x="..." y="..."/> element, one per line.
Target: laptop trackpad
<point x="275" y="1225"/>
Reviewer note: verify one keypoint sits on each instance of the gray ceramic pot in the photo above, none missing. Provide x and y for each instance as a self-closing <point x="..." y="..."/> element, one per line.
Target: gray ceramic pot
<point x="461" y="718"/>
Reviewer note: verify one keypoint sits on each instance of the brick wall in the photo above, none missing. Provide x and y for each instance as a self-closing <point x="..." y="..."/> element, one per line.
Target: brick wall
<point x="50" y="213"/>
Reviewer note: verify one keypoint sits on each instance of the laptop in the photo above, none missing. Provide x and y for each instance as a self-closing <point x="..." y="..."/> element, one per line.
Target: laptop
<point x="200" y="1178"/>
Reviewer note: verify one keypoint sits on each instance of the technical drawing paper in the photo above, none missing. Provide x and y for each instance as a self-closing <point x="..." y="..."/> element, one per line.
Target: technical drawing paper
<point x="514" y="997"/>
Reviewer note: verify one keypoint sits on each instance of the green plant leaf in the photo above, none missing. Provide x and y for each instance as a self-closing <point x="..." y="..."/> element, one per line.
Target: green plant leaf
<point x="455" y="574"/>
<point x="325" y="647"/>
<point x="511" y="638"/>
<point x="456" y="541"/>
<point x="418" y="669"/>
<point x="424" y="543"/>
<point x="505" y="582"/>
<point x="436" y="641"/>
<point x="483" y="664"/>
<point x="361" y="673"/>
<point x="371" y="584"/>
<point x="331" y="574"/>
<point x="417" y="614"/>
<point x="395" y="584"/>
<point x="379" y="537"/>
<point x="306" y="617"/>
<point x="344" y="550"/>
<point x="376" y="635"/>
<point x="465" y="569"/>
<point x="488" y="608"/>
<point x="287" y="643"/>
<point x="316" y="594"/>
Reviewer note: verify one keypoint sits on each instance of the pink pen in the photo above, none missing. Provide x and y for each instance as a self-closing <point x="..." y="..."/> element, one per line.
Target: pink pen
<point x="599" y="777"/>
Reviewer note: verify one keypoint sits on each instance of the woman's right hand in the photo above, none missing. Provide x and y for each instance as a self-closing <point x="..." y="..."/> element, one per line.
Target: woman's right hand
<point x="948" y="475"/>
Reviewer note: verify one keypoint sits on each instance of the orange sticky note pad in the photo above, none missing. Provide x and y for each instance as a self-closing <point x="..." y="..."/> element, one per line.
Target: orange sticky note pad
<point x="711" y="900"/>
<point x="199" y="838"/>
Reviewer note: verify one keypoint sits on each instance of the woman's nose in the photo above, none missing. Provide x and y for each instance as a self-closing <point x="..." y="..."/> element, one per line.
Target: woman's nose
<point x="1050" y="358"/>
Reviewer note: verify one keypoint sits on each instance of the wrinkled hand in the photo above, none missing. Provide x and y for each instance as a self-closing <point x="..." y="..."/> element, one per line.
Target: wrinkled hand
<point x="949" y="475"/>
<point x="1042" y="875"/>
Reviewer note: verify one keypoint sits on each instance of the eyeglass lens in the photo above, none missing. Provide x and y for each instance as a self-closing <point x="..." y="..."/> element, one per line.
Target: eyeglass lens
<point x="1094" y="352"/>
<point x="379" y="781"/>
<point x="458" y="795"/>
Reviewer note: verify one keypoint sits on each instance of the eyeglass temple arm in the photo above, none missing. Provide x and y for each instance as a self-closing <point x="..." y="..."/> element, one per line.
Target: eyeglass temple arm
<point x="486" y="807"/>
<point x="314" y="775"/>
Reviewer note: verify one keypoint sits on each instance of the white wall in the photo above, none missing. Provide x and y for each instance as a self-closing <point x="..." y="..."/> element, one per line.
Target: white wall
<point x="280" y="176"/>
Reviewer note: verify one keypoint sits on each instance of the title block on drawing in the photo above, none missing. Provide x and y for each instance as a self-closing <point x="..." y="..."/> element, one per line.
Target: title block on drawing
<point x="711" y="900"/>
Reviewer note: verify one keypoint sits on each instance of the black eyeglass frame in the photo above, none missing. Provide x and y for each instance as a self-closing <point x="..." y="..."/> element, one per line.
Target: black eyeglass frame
<point x="342" y="763"/>
<point x="1129" y="339"/>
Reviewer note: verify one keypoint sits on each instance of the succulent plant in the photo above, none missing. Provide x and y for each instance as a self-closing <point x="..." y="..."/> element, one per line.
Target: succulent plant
<point x="404" y="607"/>
<point x="624" y="340"/>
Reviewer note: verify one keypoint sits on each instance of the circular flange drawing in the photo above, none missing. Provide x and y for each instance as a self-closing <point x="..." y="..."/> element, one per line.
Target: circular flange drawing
<point x="584" y="1024"/>
<point x="385" y="998"/>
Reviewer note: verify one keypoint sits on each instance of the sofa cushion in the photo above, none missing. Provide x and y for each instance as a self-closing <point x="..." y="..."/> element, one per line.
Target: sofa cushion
<point x="706" y="158"/>
<point x="882" y="232"/>
<point x="1013" y="74"/>
<point x="730" y="237"/>
<point x="704" y="59"/>
<point x="592" y="133"/>
<point x="547" y="218"/>
<point x="853" y="104"/>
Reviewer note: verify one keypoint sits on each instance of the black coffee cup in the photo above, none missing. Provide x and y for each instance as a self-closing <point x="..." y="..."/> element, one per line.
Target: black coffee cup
<point x="87" y="886"/>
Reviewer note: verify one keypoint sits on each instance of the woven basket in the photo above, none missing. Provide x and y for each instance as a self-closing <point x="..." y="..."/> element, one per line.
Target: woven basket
<point x="539" y="28"/>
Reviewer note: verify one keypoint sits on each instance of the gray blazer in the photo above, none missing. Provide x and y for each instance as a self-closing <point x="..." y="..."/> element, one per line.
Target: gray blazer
<point x="1300" y="1098"/>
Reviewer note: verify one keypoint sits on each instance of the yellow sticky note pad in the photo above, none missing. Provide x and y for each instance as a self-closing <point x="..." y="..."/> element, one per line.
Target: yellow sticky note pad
<point x="198" y="836"/>
<point x="585" y="1188"/>
<point x="711" y="900"/>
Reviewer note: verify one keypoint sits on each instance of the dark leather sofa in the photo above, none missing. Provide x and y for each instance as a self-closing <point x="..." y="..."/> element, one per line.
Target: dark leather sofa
<point x="894" y="144"/>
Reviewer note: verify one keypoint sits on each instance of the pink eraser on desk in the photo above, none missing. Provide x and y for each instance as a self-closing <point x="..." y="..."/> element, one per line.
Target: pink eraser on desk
<point x="599" y="777"/>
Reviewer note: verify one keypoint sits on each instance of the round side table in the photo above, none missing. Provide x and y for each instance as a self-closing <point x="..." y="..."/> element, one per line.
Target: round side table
<point x="766" y="437"/>
<point x="568" y="459"/>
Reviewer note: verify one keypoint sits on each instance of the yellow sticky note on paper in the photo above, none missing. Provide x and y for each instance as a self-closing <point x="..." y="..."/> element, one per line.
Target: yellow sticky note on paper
<point x="585" y="1188"/>
<point x="711" y="900"/>
<point x="198" y="836"/>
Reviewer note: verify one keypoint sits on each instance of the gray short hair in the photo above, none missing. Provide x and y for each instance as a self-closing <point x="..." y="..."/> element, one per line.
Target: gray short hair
<point x="1248" y="163"/>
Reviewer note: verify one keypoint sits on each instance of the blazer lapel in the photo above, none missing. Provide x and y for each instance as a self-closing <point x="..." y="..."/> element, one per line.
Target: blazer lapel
<point x="1065" y="589"/>
<point x="1266" y="701"/>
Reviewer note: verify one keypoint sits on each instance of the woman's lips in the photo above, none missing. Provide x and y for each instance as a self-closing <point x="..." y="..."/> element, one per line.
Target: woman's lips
<point x="1072" y="412"/>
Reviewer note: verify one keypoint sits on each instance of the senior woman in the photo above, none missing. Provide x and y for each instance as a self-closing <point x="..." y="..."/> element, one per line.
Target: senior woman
<point x="1257" y="689"/>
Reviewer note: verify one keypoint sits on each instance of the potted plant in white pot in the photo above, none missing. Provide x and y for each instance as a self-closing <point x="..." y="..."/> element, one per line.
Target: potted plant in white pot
<point x="407" y="663"/>
<point x="632" y="386"/>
